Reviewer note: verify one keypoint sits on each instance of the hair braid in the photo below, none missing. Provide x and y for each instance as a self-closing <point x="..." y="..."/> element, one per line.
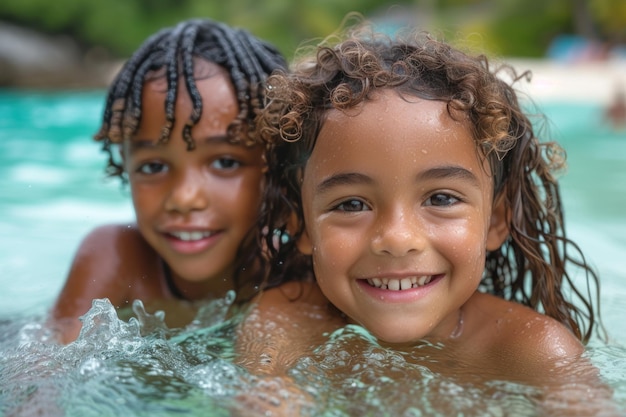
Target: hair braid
<point x="171" y="53"/>
<point x="171" y="65"/>
<point x="123" y="83"/>
<point x="133" y="115"/>
<point x="187" y="50"/>
<point x="247" y="59"/>
<point x="238" y="78"/>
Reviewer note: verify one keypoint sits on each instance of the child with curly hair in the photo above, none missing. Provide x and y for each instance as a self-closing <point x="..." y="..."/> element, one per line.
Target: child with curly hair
<point x="179" y="127"/>
<point x="421" y="205"/>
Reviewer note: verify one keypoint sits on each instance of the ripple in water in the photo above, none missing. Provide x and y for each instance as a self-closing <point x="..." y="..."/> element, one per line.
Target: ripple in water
<point x="143" y="368"/>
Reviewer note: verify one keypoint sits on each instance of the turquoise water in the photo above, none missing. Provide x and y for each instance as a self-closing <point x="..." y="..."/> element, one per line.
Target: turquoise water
<point x="52" y="191"/>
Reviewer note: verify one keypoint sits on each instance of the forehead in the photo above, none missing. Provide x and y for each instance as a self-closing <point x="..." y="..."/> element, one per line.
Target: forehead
<point x="201" y="69"/>
<point x="394" y="131"/>
<point x="398" y="120"/>
<point x="218" y="106"/>
<point x="212" y="81"/>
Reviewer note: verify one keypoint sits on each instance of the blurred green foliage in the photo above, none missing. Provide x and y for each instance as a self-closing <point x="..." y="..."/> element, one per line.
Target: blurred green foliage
<point x="507" y="27"/>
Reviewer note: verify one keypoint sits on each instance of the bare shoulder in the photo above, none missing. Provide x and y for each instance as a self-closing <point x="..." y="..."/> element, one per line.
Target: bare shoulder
<point x="107" y="264"/>
<point x="109" y="237"/>
<point x="294" y="293"/>
<point x="119" y="246"/>
<point x="519" y="339"/>
<point x="107" y="250"/>
<point x="295" y="306"/>
<point x="284" y="324"/>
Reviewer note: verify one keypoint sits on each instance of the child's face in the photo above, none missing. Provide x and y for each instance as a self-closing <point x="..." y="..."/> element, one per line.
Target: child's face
<point x="194" y="207"/>
<point x="397" y="209"/>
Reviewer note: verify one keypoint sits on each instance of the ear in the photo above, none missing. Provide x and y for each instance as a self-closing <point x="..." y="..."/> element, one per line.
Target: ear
<point x="499" y="224"/>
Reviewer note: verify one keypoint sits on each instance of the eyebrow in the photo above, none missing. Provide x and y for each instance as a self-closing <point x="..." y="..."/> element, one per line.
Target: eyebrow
<point x="353" y="178"/>
<point x="451" y="171"/>
<point x="139" y="143"/>
<point x="336" y="180"/>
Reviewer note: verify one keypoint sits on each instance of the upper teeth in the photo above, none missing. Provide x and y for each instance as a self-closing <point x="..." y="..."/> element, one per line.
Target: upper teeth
<point x="191" y="235"/>
<point x="399" y="284"/>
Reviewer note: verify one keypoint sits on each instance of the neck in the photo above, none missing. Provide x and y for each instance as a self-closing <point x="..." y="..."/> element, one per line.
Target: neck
<point x="458" y="330"/>
<point x="209" y="288"/>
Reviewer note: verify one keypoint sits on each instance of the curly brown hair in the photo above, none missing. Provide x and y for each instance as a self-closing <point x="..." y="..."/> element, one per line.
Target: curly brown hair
<point x="532" y="266"/>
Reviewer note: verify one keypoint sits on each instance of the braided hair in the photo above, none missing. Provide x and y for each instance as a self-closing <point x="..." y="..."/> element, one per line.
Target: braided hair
<point x="247" y="59"/>
<point x="171" y="51"/>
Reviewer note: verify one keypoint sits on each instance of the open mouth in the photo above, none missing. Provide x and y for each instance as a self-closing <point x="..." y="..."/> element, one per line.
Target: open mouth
<point x="394" y="284"/>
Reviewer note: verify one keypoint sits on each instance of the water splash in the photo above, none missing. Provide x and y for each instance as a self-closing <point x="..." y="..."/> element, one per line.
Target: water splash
<point x="139" y="367"/>
<point x="143" y="368"/>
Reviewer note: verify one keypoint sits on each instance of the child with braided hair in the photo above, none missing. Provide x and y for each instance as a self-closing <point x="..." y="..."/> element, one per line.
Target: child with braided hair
<point x="422" y="207"/>
<point x="178" y="126"/>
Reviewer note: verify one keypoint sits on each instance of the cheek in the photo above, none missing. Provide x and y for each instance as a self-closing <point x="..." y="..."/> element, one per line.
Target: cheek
<point x="465" y="243"/>
<point x="145" y="200"/>
<point x="252" y="187"/>
<point x="333" y="250"/>
<point x="244" y="196"/>
<point x="324" y="265"/>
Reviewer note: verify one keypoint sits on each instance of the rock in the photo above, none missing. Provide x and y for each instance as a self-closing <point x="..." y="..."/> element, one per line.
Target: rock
<point x="29" y="59"/>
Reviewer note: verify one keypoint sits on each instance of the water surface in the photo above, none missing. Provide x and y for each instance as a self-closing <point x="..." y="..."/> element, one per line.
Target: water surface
<point x="53" y="192"/>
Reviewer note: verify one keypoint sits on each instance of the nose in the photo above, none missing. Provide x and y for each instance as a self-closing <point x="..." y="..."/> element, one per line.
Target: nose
<point x="189" y="192"/>
<point x="398" y="233"/>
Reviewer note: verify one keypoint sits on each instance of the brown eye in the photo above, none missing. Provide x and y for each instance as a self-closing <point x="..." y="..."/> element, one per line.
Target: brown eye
<point x="352" y="205"/>
<point x="151" y="168"/>
<point x="226" y="164"/>
<point x="441" y="200"/>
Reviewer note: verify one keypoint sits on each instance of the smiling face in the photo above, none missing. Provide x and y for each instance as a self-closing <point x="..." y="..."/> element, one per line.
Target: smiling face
<point x="194" y="207"/>
<point x="397" y="209"/>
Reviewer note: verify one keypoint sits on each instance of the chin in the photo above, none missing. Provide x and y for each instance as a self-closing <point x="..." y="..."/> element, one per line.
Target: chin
<point x="396" y="338"/>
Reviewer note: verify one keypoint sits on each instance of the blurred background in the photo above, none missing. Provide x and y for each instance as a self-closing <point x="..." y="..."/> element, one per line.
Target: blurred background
<point x="57" y="57"/>
<point x="78" y="44"/>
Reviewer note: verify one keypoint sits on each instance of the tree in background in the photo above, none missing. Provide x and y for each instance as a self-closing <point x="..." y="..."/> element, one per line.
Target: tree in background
<point x="120" y="26"/>
<point x="612" y="16"/>
<point x="507" y="27"/>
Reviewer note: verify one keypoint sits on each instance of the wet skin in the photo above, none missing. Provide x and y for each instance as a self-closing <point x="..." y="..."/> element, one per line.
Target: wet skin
<point x="194" y="207"/>
<point x="397" y="206"/>
<point x="399" y="214"/>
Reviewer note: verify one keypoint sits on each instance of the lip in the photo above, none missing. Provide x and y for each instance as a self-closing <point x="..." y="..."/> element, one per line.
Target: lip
<point x="399" y="296"/>
<point x="190" y="241"/>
